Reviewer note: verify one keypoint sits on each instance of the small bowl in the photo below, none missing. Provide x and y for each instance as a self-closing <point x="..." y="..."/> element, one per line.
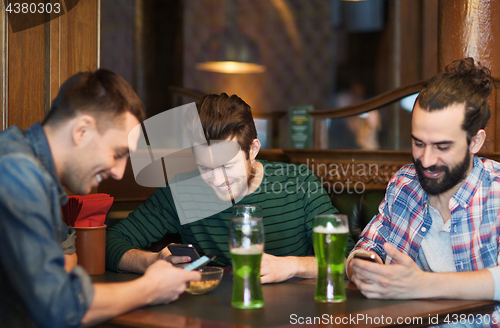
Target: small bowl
<point x="210" y="278"/>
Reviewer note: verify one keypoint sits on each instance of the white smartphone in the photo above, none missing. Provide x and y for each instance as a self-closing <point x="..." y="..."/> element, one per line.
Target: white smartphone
<point x="205" y="259"/>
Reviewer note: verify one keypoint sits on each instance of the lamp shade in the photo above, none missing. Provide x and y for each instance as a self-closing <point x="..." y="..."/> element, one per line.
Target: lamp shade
<point x="230" y="51"/>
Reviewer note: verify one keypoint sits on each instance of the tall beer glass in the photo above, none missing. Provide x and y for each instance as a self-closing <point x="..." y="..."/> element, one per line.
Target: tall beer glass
<point x="330" y="240"/>
<point x="246" y="244"/>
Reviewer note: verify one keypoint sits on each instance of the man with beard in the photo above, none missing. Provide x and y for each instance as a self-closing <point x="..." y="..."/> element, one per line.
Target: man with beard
<point x="290" y="197"/>
<point x="438" y="230"/>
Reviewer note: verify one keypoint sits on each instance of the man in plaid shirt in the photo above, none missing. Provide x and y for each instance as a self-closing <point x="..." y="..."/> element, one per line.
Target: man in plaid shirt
<point x="438" y="226"/>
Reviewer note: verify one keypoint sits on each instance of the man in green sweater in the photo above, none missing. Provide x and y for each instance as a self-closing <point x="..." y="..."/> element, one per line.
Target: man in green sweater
<point x="290" y="196"/>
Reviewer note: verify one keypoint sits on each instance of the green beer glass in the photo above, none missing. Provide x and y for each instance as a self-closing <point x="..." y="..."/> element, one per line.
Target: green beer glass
<point x="246" y="244"/>
<point x="330" y="241"/>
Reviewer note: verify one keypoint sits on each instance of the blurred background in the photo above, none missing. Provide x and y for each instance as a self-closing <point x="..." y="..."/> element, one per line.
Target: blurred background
<point x="322" y="54"/>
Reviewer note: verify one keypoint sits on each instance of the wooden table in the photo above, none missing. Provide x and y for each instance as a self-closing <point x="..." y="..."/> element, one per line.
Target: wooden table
<point x="291" y="304"/>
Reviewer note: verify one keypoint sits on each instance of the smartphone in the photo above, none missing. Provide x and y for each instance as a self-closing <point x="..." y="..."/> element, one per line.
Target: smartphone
<point x="200" y="262"/>
<point x="366" y="256"/>
<point x="184" y="250"/>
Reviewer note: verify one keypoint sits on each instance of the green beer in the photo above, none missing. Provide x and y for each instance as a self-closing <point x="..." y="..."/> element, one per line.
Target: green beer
<point x="329" y="247"/>
<point x="247" y="290"/>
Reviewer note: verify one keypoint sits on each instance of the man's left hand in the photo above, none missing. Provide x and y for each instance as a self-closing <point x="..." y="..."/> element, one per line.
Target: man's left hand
<point x="402" y="280"/>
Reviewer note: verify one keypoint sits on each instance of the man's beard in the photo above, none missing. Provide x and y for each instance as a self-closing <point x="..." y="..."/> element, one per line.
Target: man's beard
<point x="447" y="180"/>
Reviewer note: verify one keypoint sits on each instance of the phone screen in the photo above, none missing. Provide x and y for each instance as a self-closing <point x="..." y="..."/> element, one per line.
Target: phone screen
<point x="200" y="262"/>
<point x="366" y="257"/>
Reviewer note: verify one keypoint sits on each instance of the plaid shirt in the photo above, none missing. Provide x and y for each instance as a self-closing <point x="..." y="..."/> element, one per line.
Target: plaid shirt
<point x="404" y="217"/>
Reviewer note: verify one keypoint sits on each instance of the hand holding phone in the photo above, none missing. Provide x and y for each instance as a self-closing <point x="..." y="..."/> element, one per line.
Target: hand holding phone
<point x="184" y="250"/>
<point x="366" y="256"/>
<point x="202" y="261"/>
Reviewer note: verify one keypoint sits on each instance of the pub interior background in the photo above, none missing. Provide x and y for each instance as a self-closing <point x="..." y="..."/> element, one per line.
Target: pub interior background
<point x="323" y="54"/>
<point x="320" y="53"/>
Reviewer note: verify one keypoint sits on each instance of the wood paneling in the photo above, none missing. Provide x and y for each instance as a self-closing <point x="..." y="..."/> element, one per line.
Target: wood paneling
<point x="411" y="40"/>
<point x="429" y="39"/>
<point x="78" y="32"/>
<point x="38" y="60"/>
<point x="3" y="75"/>
<point x="470" y="28"/>
<point x="26" y="76"/>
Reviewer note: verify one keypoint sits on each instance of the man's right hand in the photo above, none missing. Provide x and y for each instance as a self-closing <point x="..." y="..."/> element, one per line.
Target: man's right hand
<point x="169" y="281"/>
<point x="352" y="260"/>
<point x="161" y="283"/>
<point x="165" y="254"/>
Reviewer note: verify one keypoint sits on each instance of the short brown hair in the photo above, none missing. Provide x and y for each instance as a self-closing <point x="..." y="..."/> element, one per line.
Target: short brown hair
<point x="224" y="117"/>
<point x="102" y="94"/>
<point x="463" y="82"/>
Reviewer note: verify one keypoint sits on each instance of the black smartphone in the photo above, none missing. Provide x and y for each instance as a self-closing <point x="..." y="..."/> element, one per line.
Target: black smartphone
<point x="366" y="256"/>
<point x="184" y="250"/>
<point x="205" y="259"/>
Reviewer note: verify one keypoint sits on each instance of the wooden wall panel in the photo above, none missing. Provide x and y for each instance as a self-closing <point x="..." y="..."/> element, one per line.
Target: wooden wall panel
<point x="471" y="28"/>
<point x="3" y="75"/>
<point x="26" y="76"/>
<point x="429" y="38"/>
<point x="411" y="42"/>
<point x="79" y="39"/>
<point x="36" y="61"/>
<point x="54" y="65"/>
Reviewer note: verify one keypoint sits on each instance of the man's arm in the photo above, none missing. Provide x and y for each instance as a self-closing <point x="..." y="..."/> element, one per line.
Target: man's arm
<point x="137" y="260"/>
<point x="32" y="257"/>
<point x="149" y="223"/>
<point x="277" y="269"/>
<point x="315" y="201"/>
<point x="405" y="279"/>
<point x="161" y="283"/>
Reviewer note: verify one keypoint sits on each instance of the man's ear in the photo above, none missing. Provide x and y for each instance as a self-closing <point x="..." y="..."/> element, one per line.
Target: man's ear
<point x="82" y="129"/>
<point x="254" y="149"/>
<point x="477" y="142"/>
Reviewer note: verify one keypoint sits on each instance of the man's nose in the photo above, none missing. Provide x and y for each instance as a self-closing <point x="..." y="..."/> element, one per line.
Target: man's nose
<point x="218" y="176"/>
<point x="118" y="169"/>
<point x="429" y="157"/>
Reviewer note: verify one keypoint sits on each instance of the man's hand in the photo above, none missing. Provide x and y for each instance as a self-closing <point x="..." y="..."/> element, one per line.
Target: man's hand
<point x="169" y="281"/>
<point x="138" y="260"/>
<point x="161" y="283"/>
<point x="402" y="280"/>
<point x="166" y="255"/>
<point x="278" y="269"/>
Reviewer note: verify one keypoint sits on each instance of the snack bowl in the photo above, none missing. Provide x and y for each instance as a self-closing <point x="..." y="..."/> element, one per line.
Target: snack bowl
<point x="210" y="278"/>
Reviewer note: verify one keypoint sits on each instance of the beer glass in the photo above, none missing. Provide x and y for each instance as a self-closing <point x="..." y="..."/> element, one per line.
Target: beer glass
<point x="246" y="244"/>
<point x="330" y="241"/>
